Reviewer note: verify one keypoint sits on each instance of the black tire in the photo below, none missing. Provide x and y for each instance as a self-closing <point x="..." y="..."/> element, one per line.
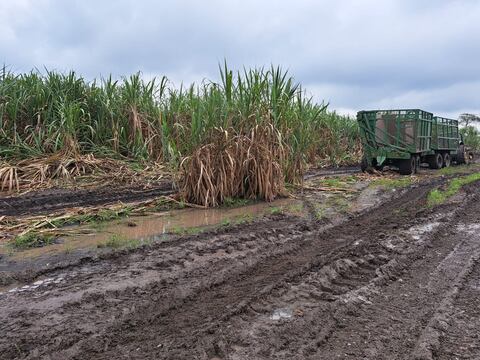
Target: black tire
<point x="407" y="166"/>
<point x="364" y="164"/>
<point x="436" y="161"/>
<point x="446" y="160"/>
<point x="470" y="157"/>
<point x="417" y="164"/>
<point x="461" y="155"/>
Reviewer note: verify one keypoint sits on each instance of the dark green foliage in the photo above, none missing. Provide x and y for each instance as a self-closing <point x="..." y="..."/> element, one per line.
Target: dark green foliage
<point x="148" y="120"/>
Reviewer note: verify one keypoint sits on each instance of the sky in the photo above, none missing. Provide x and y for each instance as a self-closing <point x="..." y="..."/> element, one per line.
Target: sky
<point x="354" y="54"/>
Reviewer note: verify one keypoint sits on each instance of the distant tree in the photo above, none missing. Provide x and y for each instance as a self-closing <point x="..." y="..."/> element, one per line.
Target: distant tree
<point x="471" y="137"/>
<point x="469" y="119"/>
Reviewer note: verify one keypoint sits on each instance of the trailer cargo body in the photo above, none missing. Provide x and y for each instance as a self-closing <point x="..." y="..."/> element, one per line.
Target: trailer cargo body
<point x="407" y="137"/>
<point x="445" y="134"/>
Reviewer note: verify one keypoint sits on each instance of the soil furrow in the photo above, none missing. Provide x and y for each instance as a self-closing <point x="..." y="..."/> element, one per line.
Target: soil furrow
<point x="49" y="201"/>
<point x="372" y="287"/>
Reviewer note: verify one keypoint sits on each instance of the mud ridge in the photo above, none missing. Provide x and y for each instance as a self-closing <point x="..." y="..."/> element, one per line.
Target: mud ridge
<point x="306" y="253"/>
<point x="429" y="339"/>
<point x="49" y="201"/>
<point x="248" y="292"/>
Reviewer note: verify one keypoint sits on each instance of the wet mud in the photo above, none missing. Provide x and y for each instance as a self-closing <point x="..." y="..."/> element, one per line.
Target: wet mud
<point x="49" y="201"/>
<point x="143" y="229"/>
<point x="397" y="281"/>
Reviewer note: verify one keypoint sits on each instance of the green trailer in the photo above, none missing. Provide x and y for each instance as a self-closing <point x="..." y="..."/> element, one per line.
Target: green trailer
<point x="406" y="138"/>
<point x="445" y="142"/>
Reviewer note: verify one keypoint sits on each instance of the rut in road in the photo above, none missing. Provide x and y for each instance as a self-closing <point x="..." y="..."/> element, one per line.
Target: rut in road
<point x="194" y="327"/>
<point x="400" y="314"/>
<point x="174" y="299"/>
<point x="459" y="324"/>
<point x="280" y="288"/>
<point x="48" y="201"/>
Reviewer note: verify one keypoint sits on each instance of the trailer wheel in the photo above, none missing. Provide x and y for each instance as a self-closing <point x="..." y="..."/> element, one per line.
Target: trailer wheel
<point x="407" y="166"/>
<point x="436" y="161"/>
<point x="461" y="158"/>
<point x="364" y="164"/>
<point x="470" y="157"/>
<point x="446" y="160"/>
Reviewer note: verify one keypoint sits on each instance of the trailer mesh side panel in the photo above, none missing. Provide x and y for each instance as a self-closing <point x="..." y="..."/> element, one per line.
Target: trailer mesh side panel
<point x="444" y="134"/>
<point x="396" y="133"/>
<point x="403" y="128"/>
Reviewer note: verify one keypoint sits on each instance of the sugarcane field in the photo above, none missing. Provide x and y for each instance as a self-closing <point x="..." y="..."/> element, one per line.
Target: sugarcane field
<point x="311" y="207"/>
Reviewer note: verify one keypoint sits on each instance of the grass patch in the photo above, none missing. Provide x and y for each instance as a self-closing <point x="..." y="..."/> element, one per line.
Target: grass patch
<point x="120" y="242"/>
<point x="453" y="170"/>
<point x="68" y="249"/>
<point x="239" y="220"/>
<point x="338" y="203"/>
<point x="296" y="209"/>
<point x="438" y="196"/>
<point x="178" y="230"/>
<point x="393" y="183"/>
<point x="96" y="219"/>
<point x="226" y="222"/>
<point x="163" y="204"/>
<point x="337" y="182"/>
<point x="275" y="210"/>
<point x="236" y="202"/>
<point x="320" y="213"/>
<point x="244" y="219"/>
<point x="31" y="240"/>
<point x="331" y="182"/>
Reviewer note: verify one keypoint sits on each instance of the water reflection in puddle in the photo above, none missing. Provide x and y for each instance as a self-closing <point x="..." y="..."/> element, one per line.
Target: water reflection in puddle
<point x="154" y="227"/>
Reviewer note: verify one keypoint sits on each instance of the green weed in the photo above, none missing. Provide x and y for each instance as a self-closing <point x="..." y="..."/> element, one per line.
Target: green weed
<point x="96" y="219"/>
<point x="244" y="219"/>
<point x="393" y="183"/>
<point x="235" y="202"/>
<point x="275" y="210"/>
<point x="295" y="208"/>
<point x="331" y="182"/>
<point x="454" y="170"/>
<point x="178" y="230"/>
<point x="226" y="222"/>
<point x="120" y="242"/>
<point x="68" y="249"/>
<point x="438" y="196"/>
<point x="338" y="203"/>
<point x="320" y="212"/>
<point x="31" y="239"/>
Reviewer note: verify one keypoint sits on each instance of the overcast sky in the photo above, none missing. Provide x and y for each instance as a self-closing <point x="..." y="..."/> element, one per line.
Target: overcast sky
<point x="355" y="54"/>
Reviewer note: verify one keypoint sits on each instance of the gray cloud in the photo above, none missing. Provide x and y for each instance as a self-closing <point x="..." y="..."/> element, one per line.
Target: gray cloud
<point x="353" y="53"/>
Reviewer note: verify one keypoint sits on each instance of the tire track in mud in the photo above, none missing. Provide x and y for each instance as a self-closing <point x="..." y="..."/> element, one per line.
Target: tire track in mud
<point x="429" y="340"/>
<point x="460" y="335"/>
<point x="166" y="270"/>
<point x="385" y="318"/>
<point x="188" y="300"/>
<point x="186" y="329"/>
<point x="454" y="330"/>
<point x="52" y="200"/>
<point x="320" y="302"/>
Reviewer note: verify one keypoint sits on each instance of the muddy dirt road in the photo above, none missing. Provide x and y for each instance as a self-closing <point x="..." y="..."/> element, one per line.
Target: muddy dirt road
<point x="48" y="201"/>
<point x="396" y="282"/>
<point x="58" y="199"/>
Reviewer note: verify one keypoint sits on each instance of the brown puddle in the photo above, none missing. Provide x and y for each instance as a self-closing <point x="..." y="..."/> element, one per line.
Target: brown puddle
<point x="152" y="228"/>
